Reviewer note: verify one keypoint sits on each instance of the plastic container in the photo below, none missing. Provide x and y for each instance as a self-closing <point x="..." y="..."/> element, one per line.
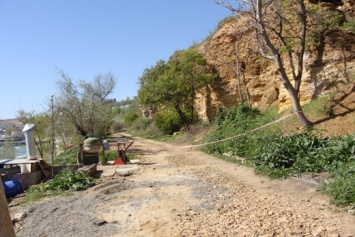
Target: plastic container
<point x="92" y="145"/>
<point x="12" y="188"/>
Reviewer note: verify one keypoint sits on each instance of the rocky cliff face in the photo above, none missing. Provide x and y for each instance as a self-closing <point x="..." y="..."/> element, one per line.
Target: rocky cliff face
<point x="331" y="63"/>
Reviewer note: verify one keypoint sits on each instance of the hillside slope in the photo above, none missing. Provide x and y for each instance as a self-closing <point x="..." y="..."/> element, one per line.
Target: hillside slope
<point x="327" y="66"/>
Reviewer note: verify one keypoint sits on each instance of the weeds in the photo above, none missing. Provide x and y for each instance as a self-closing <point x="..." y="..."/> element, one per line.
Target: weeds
<point x="279" y="156"/>
<point x="342" y="189"/>
<point x="67" y="157"/>
<point x="67" y="179"/>
<point x="109" y="156"/>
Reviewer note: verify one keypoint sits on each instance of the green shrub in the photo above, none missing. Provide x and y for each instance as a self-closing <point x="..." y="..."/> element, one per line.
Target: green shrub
<point x="141" y="123"/>
<point x="237" y="121"/>
<point x="117" y="125"/>
<point x="67" y="157"/>
<point x="284" y="155"/>
<point x="318" y="107"/>
<point x="7" y="150"/>
<point x="350" y="25"/>
<point x="220" y="116"/>
<point x="117" y="110"/>
<point x="153" y="130"/>
<point x="342" y="189"/>
<point x="341" y="148"/>
<point x="168" y="121"/>
<point x="67" y="179"/>
<point x="129" y="119"/>
<point x="279" y="156"/>
<point x="109" y="156"/>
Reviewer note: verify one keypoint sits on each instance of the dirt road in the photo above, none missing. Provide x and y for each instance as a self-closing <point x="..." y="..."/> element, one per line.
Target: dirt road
<point x="184" y="192"/>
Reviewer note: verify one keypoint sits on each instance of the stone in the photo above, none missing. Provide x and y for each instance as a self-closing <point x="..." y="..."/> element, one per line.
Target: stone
<point x="19" y="217"/>
<point x="100" y="222"/>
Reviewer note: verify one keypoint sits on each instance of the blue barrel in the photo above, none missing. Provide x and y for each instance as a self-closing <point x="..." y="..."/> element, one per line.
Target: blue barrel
<point x="12" y="188"/>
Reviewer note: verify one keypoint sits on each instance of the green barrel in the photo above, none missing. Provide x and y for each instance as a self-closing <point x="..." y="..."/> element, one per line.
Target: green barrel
<point x="92" y="145"/>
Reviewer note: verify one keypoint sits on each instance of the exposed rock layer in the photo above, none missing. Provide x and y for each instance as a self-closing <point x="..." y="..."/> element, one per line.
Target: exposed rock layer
<point x="329" y="64"/>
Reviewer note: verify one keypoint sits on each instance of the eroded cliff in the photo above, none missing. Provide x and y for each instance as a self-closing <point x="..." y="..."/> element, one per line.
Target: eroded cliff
<point x="245" y="76"/>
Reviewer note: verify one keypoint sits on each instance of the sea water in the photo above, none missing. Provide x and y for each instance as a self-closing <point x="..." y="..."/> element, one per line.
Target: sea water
<point x="20" y="152"/>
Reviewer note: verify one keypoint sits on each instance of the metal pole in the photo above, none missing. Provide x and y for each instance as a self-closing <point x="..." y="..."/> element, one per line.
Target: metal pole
<point x="52" y="120"/>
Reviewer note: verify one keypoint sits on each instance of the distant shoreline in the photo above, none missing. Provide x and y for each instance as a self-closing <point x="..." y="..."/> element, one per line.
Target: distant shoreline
<point x="13" y="121"/>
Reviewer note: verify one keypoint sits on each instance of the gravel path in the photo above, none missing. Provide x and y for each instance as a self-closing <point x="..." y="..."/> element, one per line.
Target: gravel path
<point x="179" y="192"/>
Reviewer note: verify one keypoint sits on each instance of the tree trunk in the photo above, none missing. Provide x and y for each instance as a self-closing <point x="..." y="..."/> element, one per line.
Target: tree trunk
<point x="237" y="71"/>
<point x="192" y="102"/>
<point x="182" y="117"/>
<point x="81" y="131"/>
<point x="298" y="109"/>
<point x="276" y="57"/>
<point x="6" y="228"/>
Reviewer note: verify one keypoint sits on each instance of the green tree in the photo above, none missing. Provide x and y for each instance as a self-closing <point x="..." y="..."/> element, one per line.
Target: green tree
<point x="83" y="107"/>
<point x="168" y="121"/>
<point x="174" y="84"/>
<point x="41" y="130"/>
<point x="7" y="150"/>
<point x="151" y="86"/>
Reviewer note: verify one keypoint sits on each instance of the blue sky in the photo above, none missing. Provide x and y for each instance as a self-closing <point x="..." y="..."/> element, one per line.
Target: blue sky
<point x="87" y="37"/>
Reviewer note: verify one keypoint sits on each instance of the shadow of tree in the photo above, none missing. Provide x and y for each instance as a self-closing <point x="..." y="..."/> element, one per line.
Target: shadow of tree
<point x="338" y="100"/>
<point x="333" y="116"/>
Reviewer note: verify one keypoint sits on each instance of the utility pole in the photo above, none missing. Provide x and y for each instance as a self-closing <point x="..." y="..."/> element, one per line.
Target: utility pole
<point x="6" y="228"/>
<point x="53" y="137"/>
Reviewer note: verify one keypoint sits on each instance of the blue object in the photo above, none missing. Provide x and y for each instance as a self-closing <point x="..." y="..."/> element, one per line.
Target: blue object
<point x="12" y="188"/>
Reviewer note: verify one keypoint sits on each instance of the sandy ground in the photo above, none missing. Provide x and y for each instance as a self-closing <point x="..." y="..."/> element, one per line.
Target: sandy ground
<point x="184" y="192"/>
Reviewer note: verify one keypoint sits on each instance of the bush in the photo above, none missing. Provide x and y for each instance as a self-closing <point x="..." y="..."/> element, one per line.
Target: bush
<point x="279" y="156"/>
<point x="130" y="118"/>
<point x="7" y="151"/>
<point x="220" y="116"/>
<point x="109" y="156"/>
<point x="141" y="123"/>
<point x="67" y="157"/>
<point x="117" y="125"/>
<point x="285" y="155"/>
<point x="67" y="179"/>
<point x="168" y="121"/>
<point x="342" y="189"/>
<point x="238" y="120"/>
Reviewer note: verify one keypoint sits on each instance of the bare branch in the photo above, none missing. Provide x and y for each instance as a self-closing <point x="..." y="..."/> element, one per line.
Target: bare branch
<point x="272" y="36"/>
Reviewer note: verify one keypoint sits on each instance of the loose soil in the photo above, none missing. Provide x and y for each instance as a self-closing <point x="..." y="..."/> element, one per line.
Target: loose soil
<point x="185" y="192"/>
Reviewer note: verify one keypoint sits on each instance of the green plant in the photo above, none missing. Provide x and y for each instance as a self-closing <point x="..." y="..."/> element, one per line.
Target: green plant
<point x="168" y="121"/>
<point x="129" y="119"/>
<point x="67" y="157"/>
<point x="235" y="122"/>
<point x="117" y="125"/>
<point x="7" y="150"/>
<point x="342" y="189"/>
<point x="278" y="155"/>
<point x="109" y="156"/>
<point x="285" y="155"/>
<point x="67" y="179"/>
<point x="141" y="123"/>
<point x="350" y="25"/>
<point x="220" y="116"/>
<point x="319" y="107"/>
<point x="339" y="150"/>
